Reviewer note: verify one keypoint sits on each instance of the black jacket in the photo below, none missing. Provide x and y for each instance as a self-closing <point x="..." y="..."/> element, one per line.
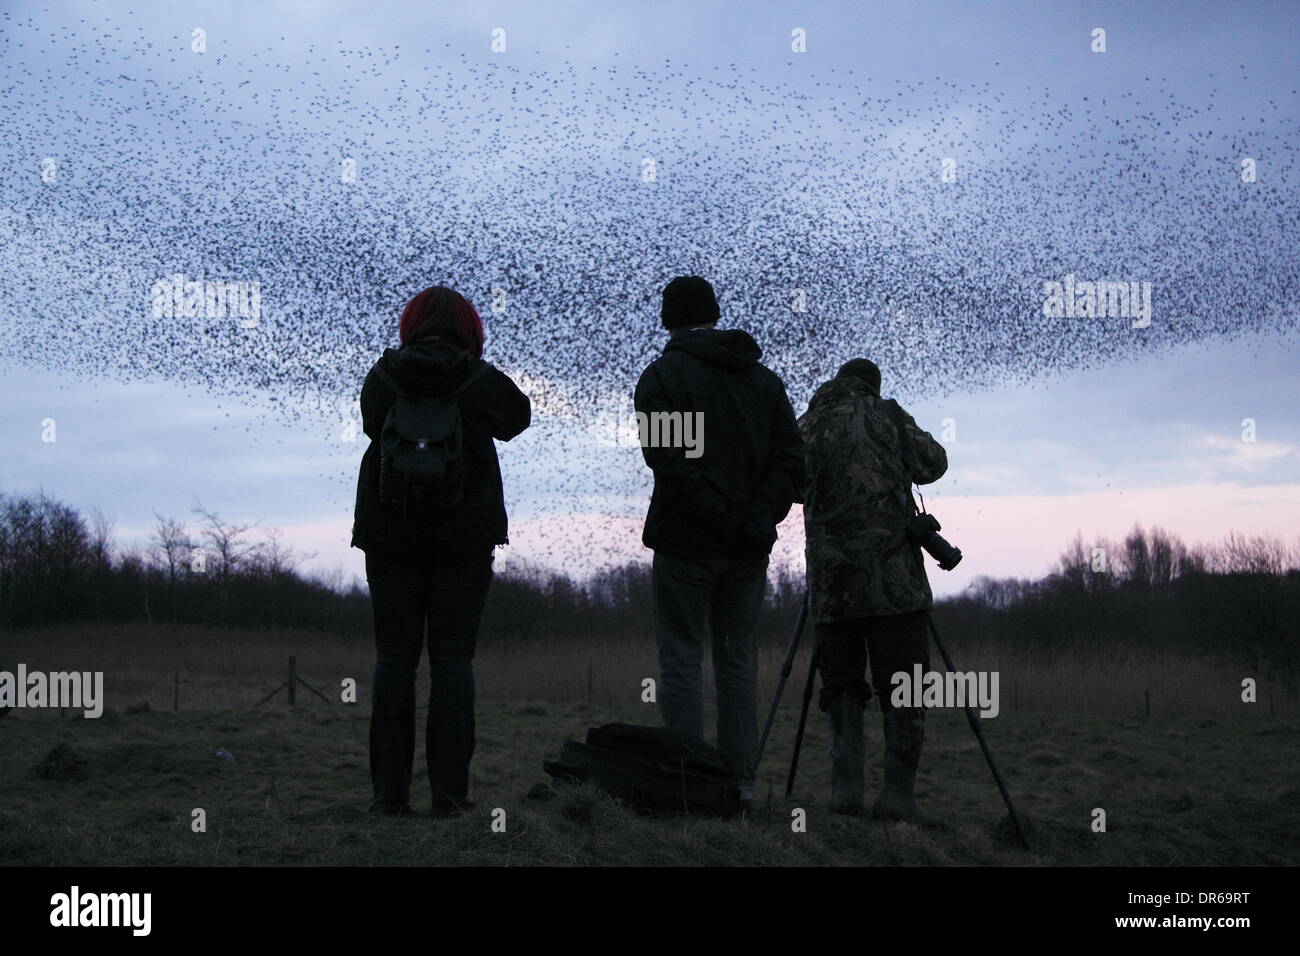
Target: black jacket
<point x="727" y="501"/>
<point x="490" y="407"/>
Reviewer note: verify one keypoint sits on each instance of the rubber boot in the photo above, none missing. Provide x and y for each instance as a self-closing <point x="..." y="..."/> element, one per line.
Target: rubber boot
<point x="904" y="734"/>
<point x="848" y="754"/>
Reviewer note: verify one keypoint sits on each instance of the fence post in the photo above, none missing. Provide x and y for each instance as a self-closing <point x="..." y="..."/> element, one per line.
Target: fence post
<point x="293" y="680"/>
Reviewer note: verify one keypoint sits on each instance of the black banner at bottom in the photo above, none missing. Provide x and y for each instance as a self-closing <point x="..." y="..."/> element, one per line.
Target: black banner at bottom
<point x="332" y="905"/>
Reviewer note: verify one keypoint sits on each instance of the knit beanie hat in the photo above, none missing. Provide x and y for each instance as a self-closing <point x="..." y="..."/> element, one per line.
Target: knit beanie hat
<point x="688" y="301"/>
<point x="863" y="369"/>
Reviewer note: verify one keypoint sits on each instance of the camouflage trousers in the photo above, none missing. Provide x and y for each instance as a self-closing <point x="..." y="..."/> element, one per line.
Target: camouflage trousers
<point x="891" y="642"/>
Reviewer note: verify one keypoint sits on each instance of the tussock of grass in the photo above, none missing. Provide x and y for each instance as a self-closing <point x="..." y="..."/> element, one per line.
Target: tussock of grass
<point x="62" y="763"/>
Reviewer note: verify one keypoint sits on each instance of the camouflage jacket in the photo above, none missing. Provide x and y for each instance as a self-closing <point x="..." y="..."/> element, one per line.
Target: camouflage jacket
<point x="857" y="502"/>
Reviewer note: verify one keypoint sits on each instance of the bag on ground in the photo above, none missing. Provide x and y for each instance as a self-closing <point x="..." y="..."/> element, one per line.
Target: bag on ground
<point x="653" y="769"/>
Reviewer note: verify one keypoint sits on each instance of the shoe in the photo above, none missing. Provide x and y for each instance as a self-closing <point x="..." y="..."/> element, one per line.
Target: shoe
<point x="390" y="809"/>
<point x="848" y="755"/>
<point x="904" y="734"/>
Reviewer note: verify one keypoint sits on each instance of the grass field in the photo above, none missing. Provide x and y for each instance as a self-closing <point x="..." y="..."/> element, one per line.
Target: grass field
<point x="1201" y="786"/>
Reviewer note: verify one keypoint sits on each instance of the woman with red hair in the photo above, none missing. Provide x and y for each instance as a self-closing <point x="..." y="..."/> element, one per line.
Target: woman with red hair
<point x="429" y="557"/>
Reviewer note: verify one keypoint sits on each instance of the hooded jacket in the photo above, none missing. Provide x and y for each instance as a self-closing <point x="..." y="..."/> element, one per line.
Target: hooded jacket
<point x="858" y="500"/>
<point x="727" y="500"/>
<point x="491" y="407"/>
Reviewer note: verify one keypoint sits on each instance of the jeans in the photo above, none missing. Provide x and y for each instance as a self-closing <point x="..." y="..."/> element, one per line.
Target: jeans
<point x="444" y="600"/>
<point x="710" y="603"/>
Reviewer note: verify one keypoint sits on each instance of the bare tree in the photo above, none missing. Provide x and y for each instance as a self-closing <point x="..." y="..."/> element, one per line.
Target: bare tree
<point x="1137" y="559"/>
<point x="101" y="538"/>
<point x="1263" y="554"/>
<point x="170" y="545"/>
<point x="228" y="546"/>
<point x="1166" y="556"/>
<point x="101" y="556"/>
<point x="68" y="553"/>
<point x="1088" y="566"/>
<point x="1073" y="564"/>
<point x="1196" y="560"/>
<point x="274" y="558"/>
<point x="332" y="578"/>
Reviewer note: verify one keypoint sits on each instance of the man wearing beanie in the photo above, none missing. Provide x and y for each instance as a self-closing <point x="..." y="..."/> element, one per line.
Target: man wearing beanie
<point x="867" y="587"/>
<point x="719" y="493"/>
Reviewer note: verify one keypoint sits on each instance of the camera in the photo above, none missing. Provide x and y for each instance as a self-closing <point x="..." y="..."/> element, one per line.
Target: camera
<point x="923" y="530"/>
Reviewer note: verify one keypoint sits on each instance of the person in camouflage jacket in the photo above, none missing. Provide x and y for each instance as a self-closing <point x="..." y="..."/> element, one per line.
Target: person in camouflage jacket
<point x="867" y="588"/>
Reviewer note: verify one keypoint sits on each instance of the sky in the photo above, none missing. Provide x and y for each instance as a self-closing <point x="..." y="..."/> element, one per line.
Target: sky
<point x="777" y="168"/>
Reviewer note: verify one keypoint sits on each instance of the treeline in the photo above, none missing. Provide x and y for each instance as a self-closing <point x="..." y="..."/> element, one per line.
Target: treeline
<point x="57" y="565"/>
<point x="1240" y="597"/>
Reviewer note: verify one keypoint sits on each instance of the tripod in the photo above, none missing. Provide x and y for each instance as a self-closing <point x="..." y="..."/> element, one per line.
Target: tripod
<point x="971" y="717"/>
<point x="786" y="669"/>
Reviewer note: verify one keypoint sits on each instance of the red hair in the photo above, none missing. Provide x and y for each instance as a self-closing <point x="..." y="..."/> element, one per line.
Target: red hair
<point x="439" y="310"/>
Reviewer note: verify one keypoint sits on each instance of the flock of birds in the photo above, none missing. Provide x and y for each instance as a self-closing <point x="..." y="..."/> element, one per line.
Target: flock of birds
<point x="910" y="222"/>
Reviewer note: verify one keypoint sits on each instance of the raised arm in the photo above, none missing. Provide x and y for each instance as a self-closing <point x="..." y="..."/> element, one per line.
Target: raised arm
<point x="928" y="460"/>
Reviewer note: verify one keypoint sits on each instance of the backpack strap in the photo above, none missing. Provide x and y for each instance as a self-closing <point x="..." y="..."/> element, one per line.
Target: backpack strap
<point x="472" y="377"/>
<point x="388" y="380"/>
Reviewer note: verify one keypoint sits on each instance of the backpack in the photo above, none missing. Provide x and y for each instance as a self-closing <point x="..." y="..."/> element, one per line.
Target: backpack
<point x="421" y="451"/>
<point x="653" y="769"/>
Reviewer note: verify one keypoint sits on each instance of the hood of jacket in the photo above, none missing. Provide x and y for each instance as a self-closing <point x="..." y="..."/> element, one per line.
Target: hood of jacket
<point x="840" y="388"/>
<point x="427" y="366"/>
<point x="729" y="348"/>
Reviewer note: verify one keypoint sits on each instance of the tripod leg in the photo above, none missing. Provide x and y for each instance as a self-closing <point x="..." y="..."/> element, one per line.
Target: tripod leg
<point x="803" y="716"/>
<point x="786" y="668"/>
<point x="973" y="719"/>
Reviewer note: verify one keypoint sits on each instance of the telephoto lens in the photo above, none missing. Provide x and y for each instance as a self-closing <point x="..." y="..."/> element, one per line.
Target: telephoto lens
<point x="923" y="530"/>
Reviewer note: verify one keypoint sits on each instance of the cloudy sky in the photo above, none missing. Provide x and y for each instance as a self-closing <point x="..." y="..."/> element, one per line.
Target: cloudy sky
<point x="1156" y="435"/>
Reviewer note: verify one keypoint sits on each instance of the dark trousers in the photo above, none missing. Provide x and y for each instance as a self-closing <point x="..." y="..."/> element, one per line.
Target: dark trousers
<point x="444" y="600"/>
<point x="893" y="642"/>
<point x="710" y="603"/>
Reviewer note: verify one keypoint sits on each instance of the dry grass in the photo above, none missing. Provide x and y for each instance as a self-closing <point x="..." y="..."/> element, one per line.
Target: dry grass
<point x="1214" y="784"/>
<point x="235" y="668"/>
